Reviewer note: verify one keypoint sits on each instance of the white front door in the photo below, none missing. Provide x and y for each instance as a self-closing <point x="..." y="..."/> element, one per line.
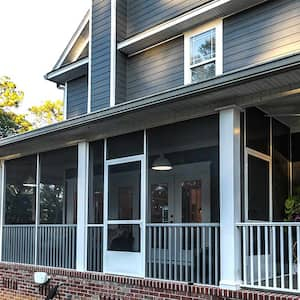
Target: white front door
<point x="124" y="218"/>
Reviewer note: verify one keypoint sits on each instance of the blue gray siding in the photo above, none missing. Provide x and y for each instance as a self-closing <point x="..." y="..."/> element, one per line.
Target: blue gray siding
<point x="77" y="97"/>
<point x="100" y="56"/>
<point x="143" y="14"/>
<point x="156" y="70"/>
<point x="262" y="33"/>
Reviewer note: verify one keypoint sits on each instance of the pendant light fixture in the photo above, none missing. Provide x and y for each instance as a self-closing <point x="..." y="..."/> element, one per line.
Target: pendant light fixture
<point x="161" y="164"/>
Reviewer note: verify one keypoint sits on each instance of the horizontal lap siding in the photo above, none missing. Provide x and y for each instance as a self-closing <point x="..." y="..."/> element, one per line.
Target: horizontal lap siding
<point x="100" y="57"/>
<point x="144" y="14"/>
<point x="262" y="33"/>
<point x="156" y="70"/>
<point x="77" y="97"/>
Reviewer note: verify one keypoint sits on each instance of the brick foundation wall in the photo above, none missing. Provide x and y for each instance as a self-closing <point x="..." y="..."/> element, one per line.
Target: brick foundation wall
<point x="16" y="282"/>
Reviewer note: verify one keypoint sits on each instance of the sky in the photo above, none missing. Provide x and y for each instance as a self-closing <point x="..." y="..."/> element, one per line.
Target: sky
<point x="33" y="34"/>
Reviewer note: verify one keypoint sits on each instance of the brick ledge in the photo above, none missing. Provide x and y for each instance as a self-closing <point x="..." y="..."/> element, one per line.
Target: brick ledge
<point x="155" y="283"/>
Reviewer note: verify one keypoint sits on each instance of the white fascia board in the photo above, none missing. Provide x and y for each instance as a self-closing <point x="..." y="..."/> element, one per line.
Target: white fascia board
<point x="166" y="25"/>
<point x="67" y="68"/>
<point x="73" y="40"/>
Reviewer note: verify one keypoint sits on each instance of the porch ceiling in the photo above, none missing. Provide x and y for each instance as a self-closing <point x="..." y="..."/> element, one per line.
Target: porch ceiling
<point x="256" y="85"/>
<point x="286" y="109"/>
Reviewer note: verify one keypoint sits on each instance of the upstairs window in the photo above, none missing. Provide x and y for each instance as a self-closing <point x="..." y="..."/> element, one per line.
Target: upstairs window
<point x="203" y="52"/>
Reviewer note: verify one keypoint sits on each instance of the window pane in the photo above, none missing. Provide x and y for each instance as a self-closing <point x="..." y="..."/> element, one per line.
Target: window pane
<point x="203" y="46"/>
<point x="96" y="183"/>
<point x="125" y="145"/>
<point x="159" y="203"/>
<point x="124" y="238"/>
<point x="203" y="72"/>
<point x="124" y="191"/>
<point x="258" y="130"/>
<point x="58" y="187"/>
<point x="191" y="201"/>
<point x="258" y="189"/>
<point x="20" y="190"/>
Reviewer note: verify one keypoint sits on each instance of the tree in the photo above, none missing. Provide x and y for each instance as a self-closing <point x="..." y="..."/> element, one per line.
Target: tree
<point x="47" y="113"/>
<point x="12" y="123"/>
<point x="10" y="98"/>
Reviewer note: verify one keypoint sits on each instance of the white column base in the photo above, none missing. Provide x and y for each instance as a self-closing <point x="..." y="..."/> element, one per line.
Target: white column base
<point x="230" y="285"/>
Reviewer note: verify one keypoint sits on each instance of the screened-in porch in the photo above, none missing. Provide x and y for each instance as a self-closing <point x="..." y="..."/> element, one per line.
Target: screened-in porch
<point x="201" y="201"/>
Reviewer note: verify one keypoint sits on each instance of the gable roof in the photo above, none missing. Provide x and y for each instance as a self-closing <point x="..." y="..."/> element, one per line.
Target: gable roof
<point x="78" y="46"/>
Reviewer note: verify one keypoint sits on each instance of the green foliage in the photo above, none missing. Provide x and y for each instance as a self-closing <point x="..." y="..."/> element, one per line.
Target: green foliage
<point x="47" y="113"/>
<point x="12" y="123"/>
<point x="292" y="207"/>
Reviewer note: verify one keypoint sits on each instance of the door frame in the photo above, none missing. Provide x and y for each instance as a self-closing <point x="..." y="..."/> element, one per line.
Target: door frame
<point x="138" y="257"/>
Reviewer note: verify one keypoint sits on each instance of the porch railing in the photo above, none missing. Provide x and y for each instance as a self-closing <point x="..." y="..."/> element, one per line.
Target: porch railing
<point x="183" y="252"/>
<point x="95" y="247"/>
<point x="45" y="245"/>
<point x="271" y="255"/>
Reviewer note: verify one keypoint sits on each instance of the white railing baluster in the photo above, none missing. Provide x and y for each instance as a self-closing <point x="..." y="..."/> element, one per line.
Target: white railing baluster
<point x="198" y="253"/>
<point x="244" y="254"/>
<point x="154" y="252"/>
<point x="298" y="256"/>
<point x="259" y="255"/>
<point x="209" y="257"/>
<point x="192" y="254"/>
<point x="170" y="252"/>
<point x="267" y="255"/>
<point x="180" y="253"/>
<point x="281" y="257"/>
<point x="216" y="255"/>
<point x="186" y="253"/>
<point x="175" y="253"/>
<point x="251" y="256"/>
<point x="290" y="259"/>
<point x="159" y="252"/>
<point x="203" y="256"/>
<point x="165" y="252"/>
<point x="274" y="256"/>
<point x="150" y="250"/>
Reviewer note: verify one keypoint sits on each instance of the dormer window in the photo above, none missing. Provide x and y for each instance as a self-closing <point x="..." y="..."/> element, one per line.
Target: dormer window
<point x="203" y="52"/>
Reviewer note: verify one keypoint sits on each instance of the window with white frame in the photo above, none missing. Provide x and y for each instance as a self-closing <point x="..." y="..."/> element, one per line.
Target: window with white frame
<point x="203" y="49"/>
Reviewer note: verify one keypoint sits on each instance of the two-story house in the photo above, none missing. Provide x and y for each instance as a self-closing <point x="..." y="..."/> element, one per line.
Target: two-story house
<point x="169" y="176"/>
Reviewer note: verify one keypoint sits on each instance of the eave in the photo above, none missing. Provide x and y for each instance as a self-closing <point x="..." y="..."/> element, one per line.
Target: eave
<point x="249" y="86"/>
<point x="69" y="72"/>
<point x="211" y="10"/>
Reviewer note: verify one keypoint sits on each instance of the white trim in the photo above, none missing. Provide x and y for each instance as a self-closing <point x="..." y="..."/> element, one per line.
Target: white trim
<point x="113" y="50"/>
<point x="65" y="100"/>
<point x="89" y="102"/>
<point x="2" y="197"/>
<point x="155" y="45"/>
<point x="73" y="40"/>
<point x="67" y="68"/>
<point x="218" y="26"/>
<point x="37" y="207"/>
<point x="82" y="206"/>
<point x="166" y="25"/>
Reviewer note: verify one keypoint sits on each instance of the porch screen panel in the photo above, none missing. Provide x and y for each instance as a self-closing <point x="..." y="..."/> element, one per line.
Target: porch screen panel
<point x="96" y="171"/>
<point x="258" y="130"/>
<point x="58" y="186"/>
<point x="20" y="192"/>
<point x="258" y="186"/>
<point x="280" y="168"/>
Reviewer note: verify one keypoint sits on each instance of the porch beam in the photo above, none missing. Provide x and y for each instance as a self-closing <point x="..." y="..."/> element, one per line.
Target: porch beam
<point x="230" y="198"/>
<point x="82" y="206"/>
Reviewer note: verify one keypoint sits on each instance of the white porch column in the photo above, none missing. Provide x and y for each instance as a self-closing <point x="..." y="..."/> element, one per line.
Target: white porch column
<point x="82" y="206"/>
<point x="2" y="196"/>
<point x="230" y="198"/>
